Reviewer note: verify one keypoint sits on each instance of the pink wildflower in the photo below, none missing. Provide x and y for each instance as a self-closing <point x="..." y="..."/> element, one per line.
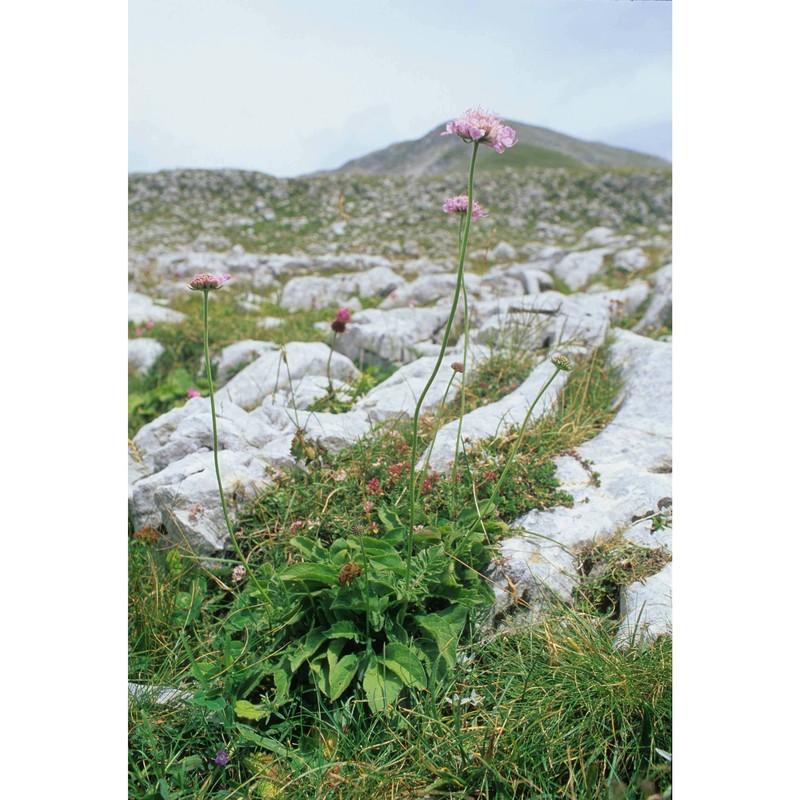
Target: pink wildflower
<point x="339" y="324"/>
<point x="192" y="392"/>
<point x="368" y="506"/>
<point x="139" y="331"/>
<point x="374" y="485"/>
<point x="238" y="572"/>
<point x="205" y="282"/>
<point x="459" y="204"/>
<point x="149" y="324"/>
<point x="477" y="125"/>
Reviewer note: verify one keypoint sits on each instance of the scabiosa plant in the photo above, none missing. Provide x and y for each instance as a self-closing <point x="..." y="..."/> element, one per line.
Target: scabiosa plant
<point x="478" y="127"/>
<point x="206" y="283"/>
<point x="339" y="325"/>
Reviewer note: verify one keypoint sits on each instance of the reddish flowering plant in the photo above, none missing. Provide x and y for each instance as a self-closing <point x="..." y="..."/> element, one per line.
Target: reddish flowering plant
<point x="339" y="324"/>
<point x="458" y="205"/>
<point x="477" y="125"/>
<point x="373" y="486"/>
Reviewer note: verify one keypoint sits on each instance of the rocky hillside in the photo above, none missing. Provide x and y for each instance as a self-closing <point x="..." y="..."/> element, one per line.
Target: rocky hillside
<point x="576" y="260"/>
<point x="393" y="217"/>
<point x="435" y="154"/>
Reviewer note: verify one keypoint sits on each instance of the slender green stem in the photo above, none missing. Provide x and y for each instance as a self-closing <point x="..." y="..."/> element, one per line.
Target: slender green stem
<point x="216" y="450"/>
<point x="462" y="403"/>
<point x="446" y="336"/>
<point x="510" y="459"/>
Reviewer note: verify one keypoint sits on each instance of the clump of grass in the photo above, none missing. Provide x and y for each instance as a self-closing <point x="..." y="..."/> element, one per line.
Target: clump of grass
<point x="608" y="565"/>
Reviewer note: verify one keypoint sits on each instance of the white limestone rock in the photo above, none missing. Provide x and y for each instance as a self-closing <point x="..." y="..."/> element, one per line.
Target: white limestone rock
<point x="240" y="354"/>
<point x="659" y="309"/>
<point x="272" y="372"/>
<point x="646" y="609"/>
<point x="502" y="251"/>
<point x="576" y="268"/>
<point x="142" y="308"/>
<point x="184" y="497"/>
<point x="377" y="336"/>
<point x="631" y="260"/>
<point x="428" y="289"/>
<point x="143" y="353"/>
<point x="399" y="393"/>
<point x="491" y="420"/>
<point x="313" y="291"/>
<point x="630" y="456"/>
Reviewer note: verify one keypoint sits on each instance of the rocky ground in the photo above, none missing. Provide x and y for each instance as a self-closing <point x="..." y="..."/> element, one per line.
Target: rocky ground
<point x="569" y="258"/>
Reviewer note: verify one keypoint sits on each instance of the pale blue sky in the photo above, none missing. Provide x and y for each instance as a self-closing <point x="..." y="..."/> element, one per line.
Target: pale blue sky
<point x="288" y="88"/>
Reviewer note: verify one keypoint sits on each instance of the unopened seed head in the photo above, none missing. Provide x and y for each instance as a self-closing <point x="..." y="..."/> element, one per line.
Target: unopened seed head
<point x="561" y="362"/>
<point x="457" y="366"/>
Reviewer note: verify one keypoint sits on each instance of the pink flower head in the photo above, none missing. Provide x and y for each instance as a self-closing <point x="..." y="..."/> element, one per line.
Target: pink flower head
<point x="477" y="125"/>
<point x="238" y="572"/>
<point x="373" y="485"/>
<point x="149" y="324"/>
<point x="139" y="331"/>
<point x="192" y="392"/>
<point x="458" y="205"/>
<point x="205" y="282"/>
<point x="344" y="315"/>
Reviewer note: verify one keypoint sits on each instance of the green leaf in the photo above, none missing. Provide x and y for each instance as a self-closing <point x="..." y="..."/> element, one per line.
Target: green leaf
<point x="310" y="574"/>
<point x="402" y="661"/>
<point x="381" y="686"/>
<point x="342" y="674"/>
<point x="306" y="647"/>
<point x="343" y="629"/>
<point x="445" y="628"/>
<point x="390" y="519"/>
<point x="246" y="710"/>
<point x="268" y="743"/>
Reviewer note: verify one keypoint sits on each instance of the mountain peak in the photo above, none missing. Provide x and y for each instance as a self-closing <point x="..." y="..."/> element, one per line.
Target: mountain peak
<point x="435" y="154"/>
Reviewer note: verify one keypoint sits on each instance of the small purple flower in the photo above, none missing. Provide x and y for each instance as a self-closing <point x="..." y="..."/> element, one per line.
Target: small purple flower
<point x="477" y="125"/>
<point x="238" y="572"/>
<point x="221" y="758"/>
<point x="458" y="205"/>
<point x="205" y="282"/>
<point x="192" y="392"/>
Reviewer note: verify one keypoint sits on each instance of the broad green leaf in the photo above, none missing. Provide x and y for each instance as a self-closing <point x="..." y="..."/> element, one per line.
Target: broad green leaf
<point x="246" y="710"/>
<point x="402" y="661"/>
<point x="282" y="675"/>
<point x="306" y="647"/>
<point x="445" y="627"/>
<point x="343" y="629"/>
<point x="390" y="519"/>
<point x="309" y="548"/>
<point x="342" y="674"/>
<point x="381" y="686"/>
<point x="310" y="574"/>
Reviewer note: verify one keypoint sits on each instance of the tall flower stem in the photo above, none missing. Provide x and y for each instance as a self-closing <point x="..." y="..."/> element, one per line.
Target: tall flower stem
<point x="216" y="450"/>
<point x="463" y="399"/>
<point x="445" y="337"/>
